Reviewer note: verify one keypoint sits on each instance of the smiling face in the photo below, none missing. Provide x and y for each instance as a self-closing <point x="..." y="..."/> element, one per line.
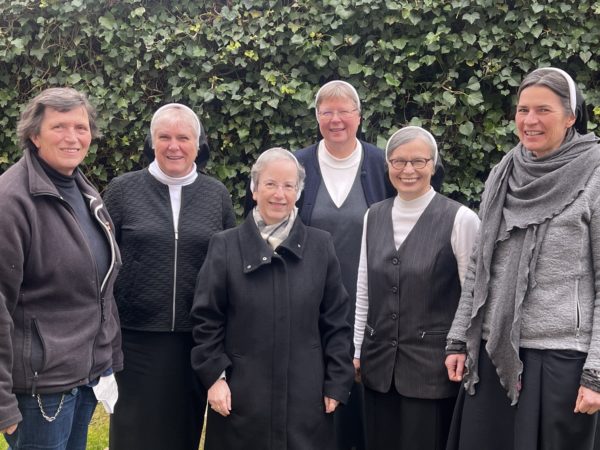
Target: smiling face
<point x="64" y="138"/>
<point x="175" y="145"/>
<point x="275" y="193"/>
<point x="411" y="183"/>
<point x="541" y="120"/>
<point x="339" y="133"/>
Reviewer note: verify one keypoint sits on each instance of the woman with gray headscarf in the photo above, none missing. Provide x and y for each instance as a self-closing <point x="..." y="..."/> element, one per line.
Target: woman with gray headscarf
<point x="272" y="340"/>
<point x="414" y="254"/>
<point x="525" y="337"/>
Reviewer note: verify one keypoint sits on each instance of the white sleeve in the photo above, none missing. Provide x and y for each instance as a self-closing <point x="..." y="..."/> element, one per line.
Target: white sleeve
<point x="362" y="293"/>
<point x="466" y="224"/>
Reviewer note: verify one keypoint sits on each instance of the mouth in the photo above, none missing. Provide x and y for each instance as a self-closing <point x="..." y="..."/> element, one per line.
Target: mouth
<point x="70" y="150"/>
<point x="411" y="180"/>
<point x="533" y="133"/>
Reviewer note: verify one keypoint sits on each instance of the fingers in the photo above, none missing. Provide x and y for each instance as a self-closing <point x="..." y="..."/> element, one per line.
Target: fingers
<point x="588" y="401"/>
<point x="356" y="363"/>
<point x="330" y="404"/>
<point x="9" y="430"/>
<point x="219" y="397"/>
<point x="455" y="364"/>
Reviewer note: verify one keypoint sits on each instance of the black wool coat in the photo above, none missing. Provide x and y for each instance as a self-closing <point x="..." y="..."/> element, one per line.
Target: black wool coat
<point x="275" y="322"/>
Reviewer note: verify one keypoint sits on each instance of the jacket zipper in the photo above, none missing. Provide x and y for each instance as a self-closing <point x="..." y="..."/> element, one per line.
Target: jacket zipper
<point x="175" y="279"/>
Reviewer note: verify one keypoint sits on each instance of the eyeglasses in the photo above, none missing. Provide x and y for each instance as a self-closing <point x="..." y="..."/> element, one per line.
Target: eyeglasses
<point x="417" y="163"/>
<point x="346" y="114"/>
<point x="286" y="187"/>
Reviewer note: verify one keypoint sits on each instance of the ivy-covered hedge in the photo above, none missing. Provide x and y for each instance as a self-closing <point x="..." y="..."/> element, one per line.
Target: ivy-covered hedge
<point x="251" y="68"/>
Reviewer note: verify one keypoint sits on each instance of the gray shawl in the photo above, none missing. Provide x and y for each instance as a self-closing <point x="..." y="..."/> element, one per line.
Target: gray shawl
<point x="523" y="194"/>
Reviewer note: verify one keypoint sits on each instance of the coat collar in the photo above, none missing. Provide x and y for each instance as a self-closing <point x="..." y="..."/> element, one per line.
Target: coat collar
<point x="40" y="183"/>
<point x="256" y="252"/>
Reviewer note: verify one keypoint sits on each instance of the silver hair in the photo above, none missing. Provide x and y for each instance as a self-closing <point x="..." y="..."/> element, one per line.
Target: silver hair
<point x="409" y="134"/>
<point x="275" y="154"/>
<point x="558" y="81"/>
<point x="167" y="110"/>
<point x="62" y="99"/>
<point x="336" y="89"/>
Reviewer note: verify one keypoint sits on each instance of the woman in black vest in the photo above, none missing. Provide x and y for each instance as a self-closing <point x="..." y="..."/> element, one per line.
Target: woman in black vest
<point x="415" y="250"/>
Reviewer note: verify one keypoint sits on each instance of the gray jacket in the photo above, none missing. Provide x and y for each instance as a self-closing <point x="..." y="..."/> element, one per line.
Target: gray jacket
<point x="58" y="321"/>
<point x="558" y="312"/>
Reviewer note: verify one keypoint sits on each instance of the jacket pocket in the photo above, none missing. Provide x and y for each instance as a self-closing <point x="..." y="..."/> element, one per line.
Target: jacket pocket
<point x="369" y="331"/>
<point x="37" y="356"/>
<point x="577" y="308"/>
<point x="433" y="333"/>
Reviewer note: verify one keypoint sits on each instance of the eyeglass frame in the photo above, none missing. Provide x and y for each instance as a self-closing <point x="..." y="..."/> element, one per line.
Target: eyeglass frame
<point x="344" y="114"/>
<point x="273" y="186"/>
<point x="404" y="162"/>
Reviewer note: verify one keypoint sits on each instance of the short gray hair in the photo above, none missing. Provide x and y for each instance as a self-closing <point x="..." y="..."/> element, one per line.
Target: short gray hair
<point x="409" y="134"/>
<point x="337" y="89"/>
<point x="186" y="112"/>
<point x="62" y="99"/>
<point x="558" y="81"/>
<point x="275" y="154"/>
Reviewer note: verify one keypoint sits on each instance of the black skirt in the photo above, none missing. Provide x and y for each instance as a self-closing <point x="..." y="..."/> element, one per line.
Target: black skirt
<point x="161" y="403"/>
<point x="396" y="422"/>
<point x="543" y="419"/>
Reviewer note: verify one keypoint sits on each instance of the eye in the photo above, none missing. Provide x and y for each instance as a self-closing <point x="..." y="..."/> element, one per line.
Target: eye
<point x="289" y="187"/>
<point x="270" y="185"/>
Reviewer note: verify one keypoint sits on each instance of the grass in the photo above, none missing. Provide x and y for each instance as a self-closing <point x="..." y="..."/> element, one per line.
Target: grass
<point x="97" y="434"/>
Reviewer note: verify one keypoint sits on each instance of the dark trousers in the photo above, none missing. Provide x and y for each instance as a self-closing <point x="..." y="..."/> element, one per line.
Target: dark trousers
<point x="542" y="420"/>
<point x="350" y="421"/>
<point x="396" y="422"/>
<point x="161" y="402"/>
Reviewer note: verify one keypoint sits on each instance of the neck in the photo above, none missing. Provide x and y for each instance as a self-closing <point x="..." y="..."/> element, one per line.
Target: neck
<point x="340" y="150"/>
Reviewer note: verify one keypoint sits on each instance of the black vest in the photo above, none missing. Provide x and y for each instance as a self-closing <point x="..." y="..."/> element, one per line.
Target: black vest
<point x="413" y="295"/>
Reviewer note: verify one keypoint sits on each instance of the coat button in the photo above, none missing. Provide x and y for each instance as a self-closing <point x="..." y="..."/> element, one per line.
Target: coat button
<point x="264" y="258"/>
<point x="394" y="289"/>
<point x="248" y="266"/>
<point x="395" y="261"/>
<point x="394" y="316"/>
<point x="394" y="342"/>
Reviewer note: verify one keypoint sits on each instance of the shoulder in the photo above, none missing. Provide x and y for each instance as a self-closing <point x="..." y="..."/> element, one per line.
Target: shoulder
<point x="209" y="182"/>
<point x="129" y="179"/>
<point x="13" y="178"/>
<point x="314" y="233"/>
<point x="375" y="208"/>
<point x="306" y="153"/>
<point x="373" y="152"/>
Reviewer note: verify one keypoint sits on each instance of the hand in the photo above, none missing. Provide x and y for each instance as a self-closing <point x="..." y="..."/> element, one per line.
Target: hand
<point x="356" y="363"/>
<point x="455" y="364"/>
<point x="9" y="430"/>
<point x="219" y="397"/>
<point x="588" y="401"/>
<point x="330" y="404"/>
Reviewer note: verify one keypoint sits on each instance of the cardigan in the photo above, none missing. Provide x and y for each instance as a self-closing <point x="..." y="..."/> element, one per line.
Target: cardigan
<point x="155" y="289"/>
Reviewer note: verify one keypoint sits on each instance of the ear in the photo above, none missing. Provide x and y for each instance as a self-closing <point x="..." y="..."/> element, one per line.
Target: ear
<point x="36" y="141"/>
<point x="571" y="121"/>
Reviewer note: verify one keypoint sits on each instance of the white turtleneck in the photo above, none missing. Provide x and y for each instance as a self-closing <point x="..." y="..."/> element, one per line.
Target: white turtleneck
<point x="405" y="215"/>
<point x="339" y="174"/>
<point x="175" y="185"/>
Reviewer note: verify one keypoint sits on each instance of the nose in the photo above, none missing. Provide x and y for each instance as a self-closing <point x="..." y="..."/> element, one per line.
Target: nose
<point x="408" y="167"/>
<point x="70" y="134"/>
<point x="531" y="117"/>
